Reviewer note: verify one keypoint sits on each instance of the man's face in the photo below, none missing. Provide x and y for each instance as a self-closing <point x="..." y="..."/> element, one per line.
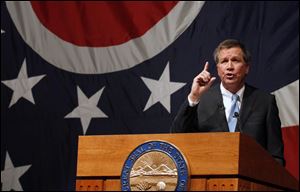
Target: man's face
<point x="232" y="68"/>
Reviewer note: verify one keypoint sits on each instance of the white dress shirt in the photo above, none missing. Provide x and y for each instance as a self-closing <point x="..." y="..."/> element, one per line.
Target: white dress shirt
<point x="227" y="95"/>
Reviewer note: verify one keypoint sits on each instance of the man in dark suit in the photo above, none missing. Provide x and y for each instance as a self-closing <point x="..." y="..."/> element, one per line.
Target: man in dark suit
<point x="211" y="108"/>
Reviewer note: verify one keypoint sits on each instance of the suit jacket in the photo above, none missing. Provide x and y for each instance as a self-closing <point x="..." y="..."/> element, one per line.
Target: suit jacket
<point x="258" y="118"/>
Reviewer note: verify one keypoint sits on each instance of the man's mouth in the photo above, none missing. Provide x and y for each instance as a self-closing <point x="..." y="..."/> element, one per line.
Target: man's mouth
<point x="229" y="76"/>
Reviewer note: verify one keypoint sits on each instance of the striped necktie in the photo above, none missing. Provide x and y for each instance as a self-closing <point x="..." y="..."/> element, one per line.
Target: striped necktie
<point x="232" y="120"/>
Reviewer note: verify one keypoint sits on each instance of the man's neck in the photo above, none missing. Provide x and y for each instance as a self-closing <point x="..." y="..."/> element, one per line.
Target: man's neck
<point x="234" y="88"/>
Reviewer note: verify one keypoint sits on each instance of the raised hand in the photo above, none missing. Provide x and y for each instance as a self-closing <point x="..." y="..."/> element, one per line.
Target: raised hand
<point x="201" y="83"/>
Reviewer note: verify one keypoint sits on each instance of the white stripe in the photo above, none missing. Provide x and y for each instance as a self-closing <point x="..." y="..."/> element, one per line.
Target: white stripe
<point x="99" y="60"/>
<point x="288" y="103"/>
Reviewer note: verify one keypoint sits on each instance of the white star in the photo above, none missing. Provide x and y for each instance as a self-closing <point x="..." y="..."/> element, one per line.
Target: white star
<point x="2" y="31"/>
<point x="87" y="108"/>
<point x="10" y="175"/>
<point x="161" y="90"/>
<point x="22" y="85"/>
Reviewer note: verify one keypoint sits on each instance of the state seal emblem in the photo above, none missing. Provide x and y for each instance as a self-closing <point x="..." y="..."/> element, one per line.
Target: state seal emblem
<point x="155" y="166"/>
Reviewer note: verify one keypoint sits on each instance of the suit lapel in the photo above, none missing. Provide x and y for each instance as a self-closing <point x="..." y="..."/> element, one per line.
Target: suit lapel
<point x="223" y="125"/>
<point x="247" y="104"/>
<point x="246" y="108"/>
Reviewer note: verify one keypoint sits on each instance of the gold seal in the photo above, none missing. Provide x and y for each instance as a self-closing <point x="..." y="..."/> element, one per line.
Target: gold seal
<point x="155" y="166"/>
<point x="153" y="171"/>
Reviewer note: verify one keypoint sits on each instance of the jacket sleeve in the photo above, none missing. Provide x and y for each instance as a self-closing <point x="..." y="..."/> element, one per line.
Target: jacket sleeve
<point x="186" y="119"/>
<point x="274" y="134"/>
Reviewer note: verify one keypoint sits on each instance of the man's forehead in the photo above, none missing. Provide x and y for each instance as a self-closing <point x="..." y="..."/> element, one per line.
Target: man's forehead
<point x="235" y="51"/>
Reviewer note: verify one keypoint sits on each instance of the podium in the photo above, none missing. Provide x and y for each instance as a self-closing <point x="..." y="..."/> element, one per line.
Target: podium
<point x="218" y="161"/>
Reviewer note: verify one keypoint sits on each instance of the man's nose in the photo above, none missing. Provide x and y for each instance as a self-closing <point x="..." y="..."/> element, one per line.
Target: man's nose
<point x="229" y="65"/>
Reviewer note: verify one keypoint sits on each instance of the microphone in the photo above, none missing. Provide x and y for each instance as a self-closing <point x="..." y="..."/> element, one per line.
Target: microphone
<point x="236" y="115"/>
<point x="238" y="126"/>
<point x="221" y="106"/>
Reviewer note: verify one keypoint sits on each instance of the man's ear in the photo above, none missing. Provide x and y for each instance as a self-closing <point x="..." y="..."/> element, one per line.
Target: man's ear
<point x="247" y="69"/>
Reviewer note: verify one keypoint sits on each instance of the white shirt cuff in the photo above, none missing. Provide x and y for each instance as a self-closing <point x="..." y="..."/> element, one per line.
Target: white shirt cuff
<point x="191" y="103"/>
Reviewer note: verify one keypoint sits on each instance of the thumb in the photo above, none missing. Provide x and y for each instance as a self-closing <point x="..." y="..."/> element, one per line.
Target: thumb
<point x="211" y="81"/>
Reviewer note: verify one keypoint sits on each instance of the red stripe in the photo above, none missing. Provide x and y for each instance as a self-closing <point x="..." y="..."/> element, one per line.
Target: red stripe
<point x="291" y="149"/>
<point x="100" y="23"/>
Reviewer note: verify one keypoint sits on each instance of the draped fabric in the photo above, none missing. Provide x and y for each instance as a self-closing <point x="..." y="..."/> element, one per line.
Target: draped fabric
<point x="97" y="68"/>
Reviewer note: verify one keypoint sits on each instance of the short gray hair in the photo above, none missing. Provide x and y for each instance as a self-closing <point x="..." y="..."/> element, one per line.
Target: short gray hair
<point x="229" y="43"/>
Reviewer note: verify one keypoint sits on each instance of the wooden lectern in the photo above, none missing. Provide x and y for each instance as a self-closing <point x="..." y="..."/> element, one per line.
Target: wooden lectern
<point x="217" y="161"/>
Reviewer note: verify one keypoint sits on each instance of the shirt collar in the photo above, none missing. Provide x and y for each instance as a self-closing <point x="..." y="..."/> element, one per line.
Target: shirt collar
<point x="227" y="93"/>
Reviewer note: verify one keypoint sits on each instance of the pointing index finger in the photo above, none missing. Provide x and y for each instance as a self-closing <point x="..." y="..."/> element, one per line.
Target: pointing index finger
<point x="206" y="66"/>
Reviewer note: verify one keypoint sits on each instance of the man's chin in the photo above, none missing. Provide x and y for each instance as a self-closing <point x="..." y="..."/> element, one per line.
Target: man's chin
<point x="231" y="83"/>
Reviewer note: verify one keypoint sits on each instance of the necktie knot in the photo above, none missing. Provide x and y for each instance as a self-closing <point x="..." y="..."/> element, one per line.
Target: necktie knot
<point x="235" y="98"/>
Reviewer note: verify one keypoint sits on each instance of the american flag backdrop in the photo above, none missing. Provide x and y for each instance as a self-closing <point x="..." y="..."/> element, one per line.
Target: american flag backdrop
<point x="90" y="68"/>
